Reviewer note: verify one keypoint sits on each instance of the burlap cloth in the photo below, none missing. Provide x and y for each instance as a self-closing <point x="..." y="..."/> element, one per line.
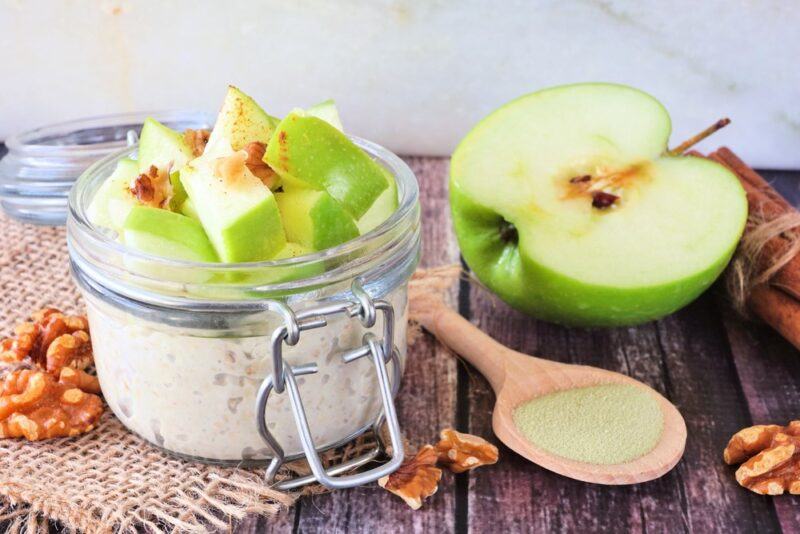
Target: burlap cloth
<point x="109" y="479"/>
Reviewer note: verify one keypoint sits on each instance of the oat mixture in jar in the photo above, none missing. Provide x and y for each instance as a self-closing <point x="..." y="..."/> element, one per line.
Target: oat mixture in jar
<point x="182" y="348"/>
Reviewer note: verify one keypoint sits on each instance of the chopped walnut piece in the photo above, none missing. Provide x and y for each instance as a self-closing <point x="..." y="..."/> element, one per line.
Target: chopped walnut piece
<point x="255" y="162"/>
<point x="154" y="187"/>
<point x="771" y="456"/>
<point x="231" y="168"/>
<point x="462" y="452"/>
<point x="197" y="140"/>
<point x="416" y="479"/>
<point x="34" y="405"/>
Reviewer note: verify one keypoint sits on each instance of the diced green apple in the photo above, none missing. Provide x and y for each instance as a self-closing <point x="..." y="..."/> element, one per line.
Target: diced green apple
<point x="241" y="121"/>
<point x="113" y="200"/>
<point x="238" y="212"/>
<point x="381" y="209"/>
<point x="524" y="186"/>
<point x="178" y="191"/>
<point x="160" y="145"/>
<point x="167" y="234"/>
<point x="326" y="111"/>
<point x="311" y="152"/>
<point x="292" y="250"/>
<point x="187" y="208"/>
<point x="314" y="219"/>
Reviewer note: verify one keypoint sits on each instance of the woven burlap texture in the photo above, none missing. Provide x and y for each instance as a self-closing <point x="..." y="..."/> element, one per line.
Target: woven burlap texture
<point x="107" y="480"/>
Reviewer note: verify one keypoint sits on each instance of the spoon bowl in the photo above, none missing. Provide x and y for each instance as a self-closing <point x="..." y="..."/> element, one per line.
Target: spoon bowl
<point x="517" y="378"/>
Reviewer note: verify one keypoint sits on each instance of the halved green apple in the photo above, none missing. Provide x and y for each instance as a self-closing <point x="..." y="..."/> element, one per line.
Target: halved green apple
<point x="314" y="219"/>
<point x="238" y="212"/>
<point x="566" y="204"/>
<point x="309" y="152"/>
<point x="242" y="121"/>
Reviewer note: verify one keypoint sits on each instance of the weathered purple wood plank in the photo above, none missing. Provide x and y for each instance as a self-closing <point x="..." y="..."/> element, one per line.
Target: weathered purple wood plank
<point x="769" y="371"/>
<point x="686" y="358"/>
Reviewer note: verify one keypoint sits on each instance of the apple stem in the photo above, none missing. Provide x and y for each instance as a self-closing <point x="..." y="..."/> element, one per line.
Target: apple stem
<point x="689" y="143"/>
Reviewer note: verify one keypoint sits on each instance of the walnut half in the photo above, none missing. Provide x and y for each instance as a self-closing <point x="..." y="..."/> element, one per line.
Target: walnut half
<point x="771" y="456"/>
<point x="44" y="392"/>
<point x="52" y="340"/>
<point x="34" y="405"/>
<point x="461" y="452"/>
<point x="416" y="479"/>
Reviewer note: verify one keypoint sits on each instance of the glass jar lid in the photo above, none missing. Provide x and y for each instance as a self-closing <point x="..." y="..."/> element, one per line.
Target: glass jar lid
<point x="42" y="164"/>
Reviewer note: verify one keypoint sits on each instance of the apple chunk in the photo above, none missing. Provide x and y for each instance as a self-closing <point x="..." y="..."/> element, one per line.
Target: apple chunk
<point x="167" y="234"/>
<point x="113" y="200"/>
<point x="242" y="121"/>
<point x="237" y="210"/>
<point x="381" y="209"/>
<point x="309" y="152"/>
<point x="160" y="145"/>
<point x="314" y="219"/>
<point x="567" y="206"/>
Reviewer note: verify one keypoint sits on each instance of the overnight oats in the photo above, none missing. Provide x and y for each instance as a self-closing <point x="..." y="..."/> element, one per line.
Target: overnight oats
<point x="190" y="250"/>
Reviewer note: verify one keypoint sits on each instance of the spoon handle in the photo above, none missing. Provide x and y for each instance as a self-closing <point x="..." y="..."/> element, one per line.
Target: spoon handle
<point x="466" y="340"/>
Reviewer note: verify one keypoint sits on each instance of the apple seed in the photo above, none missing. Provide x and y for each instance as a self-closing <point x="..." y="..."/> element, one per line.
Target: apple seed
<point x="602" y="200"/>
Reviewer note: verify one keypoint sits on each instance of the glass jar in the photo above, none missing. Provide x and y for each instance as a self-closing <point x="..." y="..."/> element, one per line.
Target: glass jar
<point x="186" y="351"/>
<point x="42" y="164"/>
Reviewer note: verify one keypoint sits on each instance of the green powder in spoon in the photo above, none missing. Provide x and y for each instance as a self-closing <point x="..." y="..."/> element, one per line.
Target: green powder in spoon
<point x="604" y="424"/>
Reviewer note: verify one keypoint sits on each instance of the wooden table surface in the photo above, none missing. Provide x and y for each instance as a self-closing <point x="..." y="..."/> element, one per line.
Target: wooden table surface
<point x="721" y="373"/>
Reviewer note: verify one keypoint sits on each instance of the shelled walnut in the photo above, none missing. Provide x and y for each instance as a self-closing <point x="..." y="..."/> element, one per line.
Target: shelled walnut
<point x="461" y="452"/>
<point x="44" y="390"/>
<point x="416" y="479"/>
<point x="771" y="456"/>
<point x="34" y="405"/>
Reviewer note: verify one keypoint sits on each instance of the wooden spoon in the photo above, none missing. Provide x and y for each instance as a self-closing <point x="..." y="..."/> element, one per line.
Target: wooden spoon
<point x="517" y="377"/>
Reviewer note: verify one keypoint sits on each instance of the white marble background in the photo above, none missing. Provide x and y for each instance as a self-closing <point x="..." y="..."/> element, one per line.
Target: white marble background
<point x="414" y="75"/>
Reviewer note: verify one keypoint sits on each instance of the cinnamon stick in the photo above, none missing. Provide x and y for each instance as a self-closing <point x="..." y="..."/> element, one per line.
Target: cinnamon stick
<point x="768" y="204"/>
<point x="777" y="301"/>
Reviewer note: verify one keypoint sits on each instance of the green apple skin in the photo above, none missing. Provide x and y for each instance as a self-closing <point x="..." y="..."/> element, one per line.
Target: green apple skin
<point x="242" y="121"/>
<point x="179" y="195"/>
<point x="113" y="200"/>
<point x="381" y="209"/>
<point x="188" y="209"/>
<point x="314" y="219"/>
<point x="520" y="271"/>
<point x="167" y="234"/>
<point x="160" y="145"/>
<point x="278" y="275"/>
<point x="546" y="294"/>
<point x="241" y="219"/>
<point x="327" y="111"/>
<point x="309" y="152"/>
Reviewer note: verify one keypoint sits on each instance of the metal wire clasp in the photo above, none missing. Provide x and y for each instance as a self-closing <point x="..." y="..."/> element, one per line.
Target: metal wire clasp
<point x="381" y="352"/>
